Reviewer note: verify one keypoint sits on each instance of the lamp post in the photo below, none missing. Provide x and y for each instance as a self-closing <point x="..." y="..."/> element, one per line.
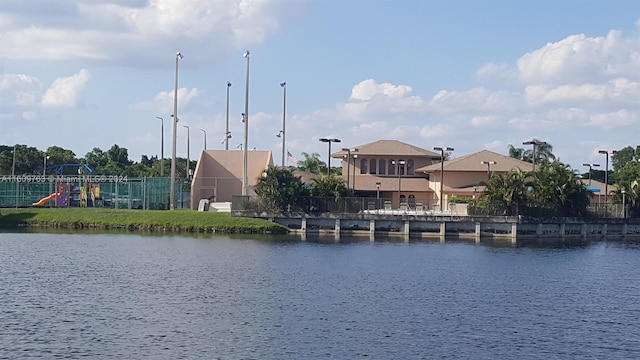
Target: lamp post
<point x="329" y="141"/>
<point x="13" y="165"/>
<point x="606" y="174"/>
<point x="245" y="118"/>
<point x="348" y="163"/>
<point x="488" y="163"/>
<point x="378" y="191"/>
<point x="44" y="169"/>
<point x="398" y="164"/>
<point x="188" y="146"/>
<point x="442" y="150"/>
<point x="205" y="138"/>
<point x="590" y="166"/>
<point x="534" y="142"/>
<point x="284" y="110"/>
<point x="161" y="144"/>
<point x="172" y="189"/>
<point x="355" y="156"/>
<point x="475" y="191"/>
<point x="227" y="133"/>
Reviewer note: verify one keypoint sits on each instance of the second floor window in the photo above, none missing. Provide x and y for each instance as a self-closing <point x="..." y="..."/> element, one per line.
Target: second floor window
<point x="392" y="167"/>
<point x="383" y="167"/>
<point x="372" y="166"/>
<point x="363" y="166"/>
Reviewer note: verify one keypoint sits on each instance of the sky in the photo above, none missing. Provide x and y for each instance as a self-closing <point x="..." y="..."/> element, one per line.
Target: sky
<point x="471" y="75"/>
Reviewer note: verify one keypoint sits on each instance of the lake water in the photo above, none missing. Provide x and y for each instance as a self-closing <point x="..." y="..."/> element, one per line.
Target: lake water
<point x="125" y="296"/>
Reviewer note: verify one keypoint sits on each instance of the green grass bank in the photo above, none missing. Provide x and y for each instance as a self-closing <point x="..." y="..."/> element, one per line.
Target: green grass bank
<point x="136" y="220"/>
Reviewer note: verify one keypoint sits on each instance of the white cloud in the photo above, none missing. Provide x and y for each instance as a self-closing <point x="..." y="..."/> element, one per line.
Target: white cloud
<point x="163" y="101"/>
<point x="621" y="118"/>
<point x="63" y="92"/>
<point x="483" y="121"/>
<point x="578" y="57"/>
<point x="367" y="89"/>
<point x="117" y="31"/>
<point x="616" y="90"/>
<point x="497" y="72"/>
<point x="19" y="90"/>
<point x="476" y="99"/>
<point x="437" y="131"/>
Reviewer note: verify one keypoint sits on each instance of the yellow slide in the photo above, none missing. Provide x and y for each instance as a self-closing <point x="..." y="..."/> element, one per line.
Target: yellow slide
<point x="44" y="200"/>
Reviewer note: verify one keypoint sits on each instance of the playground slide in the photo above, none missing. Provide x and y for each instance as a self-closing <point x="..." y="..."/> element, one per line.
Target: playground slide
<point x="44" y="200"/>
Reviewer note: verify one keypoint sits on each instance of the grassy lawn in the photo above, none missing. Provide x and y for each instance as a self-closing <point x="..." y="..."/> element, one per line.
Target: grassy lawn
<point x="147" y="220"/>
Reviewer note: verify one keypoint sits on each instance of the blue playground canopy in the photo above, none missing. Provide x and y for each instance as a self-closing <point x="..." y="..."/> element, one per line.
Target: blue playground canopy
<point x="593" y="189"/>
<point x="82" y="168"/>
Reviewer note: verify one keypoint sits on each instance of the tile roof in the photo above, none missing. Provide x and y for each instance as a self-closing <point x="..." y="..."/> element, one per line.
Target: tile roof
<point x="388" y="147"/>
<point x="473" y="162"/>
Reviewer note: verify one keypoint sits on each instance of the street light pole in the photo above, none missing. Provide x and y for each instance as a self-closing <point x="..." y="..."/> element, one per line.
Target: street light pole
<point x="348" y="150"/>
<point x="227" y="132"/>
<point x="488" y="163"/>
<point x="606" y="174"/>
<point x="442" y="150"/>
<point x="329" y="141"/>
<point x="245" y="154"/>
<point x="355" y="157"/>
<point x="534" y="142"/>
<point x="172" y="189"/>
<point x="590" y="166"/>
<point x="284" y="110"/>
<point x="205" y="138"/>
<point x="161" y="145"/>
<point x="398" y="163"/>
<point x="378" y="193"/>
<point x="188" y="146"/>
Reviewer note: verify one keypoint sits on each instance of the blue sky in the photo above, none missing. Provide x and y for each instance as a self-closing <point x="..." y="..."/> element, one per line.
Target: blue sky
<point x="471" y="75"/>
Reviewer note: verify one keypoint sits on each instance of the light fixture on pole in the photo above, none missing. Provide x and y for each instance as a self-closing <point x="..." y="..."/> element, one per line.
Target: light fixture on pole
<point x="399" y="168"/>
<point x="161" y="144"/>
<point x="245" y="118"/>
<point x="488" y="163"/>
<point x="590" y="166"/>
<point x="348" y="163"/>
<point x="172" y="189"/>
<point x="44" y="169"/>
<point x="227" y="132"/>
<point x="442" y="150"/>
<point x="624" y="205"/>
<point x="284" y="111"/>
<point x="378" y="190"/>
<point x="534" y="142"/>
<point x="355" y="156"/>
<point x="329" y="141"/>
<point x="606" y="174"/>
<point x="205" y="138"/>
<point x="188" y="150"/>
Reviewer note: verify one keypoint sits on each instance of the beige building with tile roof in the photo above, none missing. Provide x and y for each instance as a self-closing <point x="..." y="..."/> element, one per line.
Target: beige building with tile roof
<point x="419" y="177"/>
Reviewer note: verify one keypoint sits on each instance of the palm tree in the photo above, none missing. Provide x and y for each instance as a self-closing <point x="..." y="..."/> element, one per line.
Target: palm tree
<point x="312" y="164"/>
<point x="506" y="191"/>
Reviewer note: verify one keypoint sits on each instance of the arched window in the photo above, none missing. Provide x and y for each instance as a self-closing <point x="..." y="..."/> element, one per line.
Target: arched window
<point x="363" y="166"/>
<point x="402" y="198"/>
<point x="401" y="167"/>
<point x="410" y="167"/>
<point x="383" y="167"/>
<point x="412" y="200"/>
<point x="392" y="167"/>
<point x="372" y="166"/>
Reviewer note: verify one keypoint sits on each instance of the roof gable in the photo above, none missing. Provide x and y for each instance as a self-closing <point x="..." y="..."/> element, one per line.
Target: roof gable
<point x="387" y="147"/>
<point x="474" y="162"/>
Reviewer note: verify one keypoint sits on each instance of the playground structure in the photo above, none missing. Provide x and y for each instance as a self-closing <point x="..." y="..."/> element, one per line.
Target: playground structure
<point x="69" y="194"/>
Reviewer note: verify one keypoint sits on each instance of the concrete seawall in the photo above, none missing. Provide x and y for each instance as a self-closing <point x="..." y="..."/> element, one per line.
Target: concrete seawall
<point x="500" y="227"/>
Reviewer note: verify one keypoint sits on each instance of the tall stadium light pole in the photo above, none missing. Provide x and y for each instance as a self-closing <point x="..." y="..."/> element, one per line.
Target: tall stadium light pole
<point x="205" y="138"/>
<point x="442" y="150"/>
<point x="534" y="143"/>
<point x="606" y="173"/>
<point x="590" y="166"/>
<point x="161" y="145"/>
<point x="227" y="132"/>
<point x="329" y="141"/>
<point x="172" y="188"/>
<point x="284" y="111"/>
<point x="245" y="154"/>
<point x="348" y="150"/>
<point x="188" y="150"/>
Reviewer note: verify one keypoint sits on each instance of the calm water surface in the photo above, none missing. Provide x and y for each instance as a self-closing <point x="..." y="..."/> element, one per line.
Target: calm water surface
<point x="173" y="297"/>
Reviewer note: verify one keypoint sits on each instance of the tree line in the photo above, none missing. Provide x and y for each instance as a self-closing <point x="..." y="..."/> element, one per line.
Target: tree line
<point x="26" y="160"/>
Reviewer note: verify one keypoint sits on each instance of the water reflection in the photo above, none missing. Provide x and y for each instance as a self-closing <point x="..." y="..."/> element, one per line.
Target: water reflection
<point x="165" y="296"/>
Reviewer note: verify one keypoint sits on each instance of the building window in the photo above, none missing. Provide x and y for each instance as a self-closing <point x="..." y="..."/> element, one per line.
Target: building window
<point x="402" y="198"/>
<point x="392" y="167"/>
<point x="372" y="166"/>
<point x="410" y="167"/>
<point x="383" y="167"/>
<point x="363" y="166"/>
<point x="412" y="200"/>
<point x="401" y="167"/>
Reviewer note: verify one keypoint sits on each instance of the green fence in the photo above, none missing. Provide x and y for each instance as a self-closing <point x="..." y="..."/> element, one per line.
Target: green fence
<point x="92" y="191"/>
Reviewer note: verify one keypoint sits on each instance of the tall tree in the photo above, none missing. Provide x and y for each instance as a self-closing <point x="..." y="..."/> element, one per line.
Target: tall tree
<point x="312" y="164"/>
